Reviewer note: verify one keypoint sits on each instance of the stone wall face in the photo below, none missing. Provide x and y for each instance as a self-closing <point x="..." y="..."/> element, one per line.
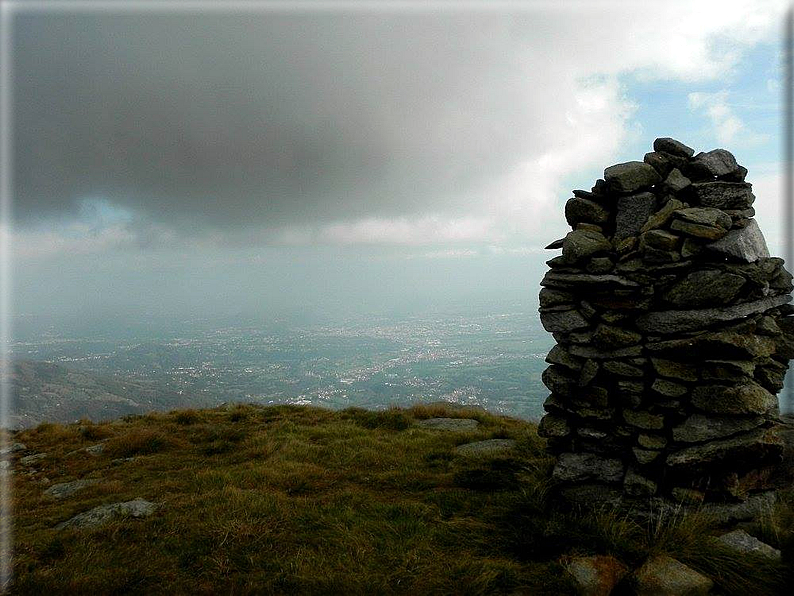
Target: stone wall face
<point x="673" y="335"/>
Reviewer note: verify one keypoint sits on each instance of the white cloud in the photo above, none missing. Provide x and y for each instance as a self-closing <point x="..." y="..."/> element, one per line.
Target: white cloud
<point x="728" y="127"/>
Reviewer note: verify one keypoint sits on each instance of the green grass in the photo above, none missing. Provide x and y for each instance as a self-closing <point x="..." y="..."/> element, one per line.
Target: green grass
<point x="299" y="500"/>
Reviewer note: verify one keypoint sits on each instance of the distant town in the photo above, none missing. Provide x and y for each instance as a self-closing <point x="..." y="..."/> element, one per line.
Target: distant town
<point x="490" y="360"/>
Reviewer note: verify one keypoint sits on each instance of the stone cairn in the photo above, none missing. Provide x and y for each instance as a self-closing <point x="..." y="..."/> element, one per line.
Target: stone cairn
<point x="672" y="335"/>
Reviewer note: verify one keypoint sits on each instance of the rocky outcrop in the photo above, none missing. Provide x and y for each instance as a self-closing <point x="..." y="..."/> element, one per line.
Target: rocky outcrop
<point x="673" y="335"/>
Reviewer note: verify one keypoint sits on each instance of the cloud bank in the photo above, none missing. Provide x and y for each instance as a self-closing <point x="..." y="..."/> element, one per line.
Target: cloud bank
<point x="340" y="128"/>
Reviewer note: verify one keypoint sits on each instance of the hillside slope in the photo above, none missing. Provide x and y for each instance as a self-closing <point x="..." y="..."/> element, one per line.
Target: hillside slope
<point x="44" y="391"/>
<point x="299" y="500"/>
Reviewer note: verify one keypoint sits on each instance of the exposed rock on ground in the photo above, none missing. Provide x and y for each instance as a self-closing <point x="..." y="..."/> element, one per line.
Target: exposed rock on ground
<point x="104" y="513"/>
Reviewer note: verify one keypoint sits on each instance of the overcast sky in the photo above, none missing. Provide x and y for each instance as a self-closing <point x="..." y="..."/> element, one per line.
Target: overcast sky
<point x="277" y="153"/>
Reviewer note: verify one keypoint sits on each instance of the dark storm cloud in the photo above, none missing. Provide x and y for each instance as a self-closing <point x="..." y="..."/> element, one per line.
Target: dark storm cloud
<point x="261" y="119"/>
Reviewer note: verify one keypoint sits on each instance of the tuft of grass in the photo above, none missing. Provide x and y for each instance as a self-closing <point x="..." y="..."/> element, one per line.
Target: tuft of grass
<point x="391" y="419"/>
<point x="140" y="441"/>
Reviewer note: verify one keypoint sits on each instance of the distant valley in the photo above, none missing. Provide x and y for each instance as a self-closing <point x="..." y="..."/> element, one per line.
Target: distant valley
<point x="44" y="391"/>
<point x="490" y="359"/>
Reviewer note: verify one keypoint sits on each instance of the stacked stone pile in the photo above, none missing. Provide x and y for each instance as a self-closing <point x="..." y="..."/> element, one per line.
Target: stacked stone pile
<point x="673" y="335"/>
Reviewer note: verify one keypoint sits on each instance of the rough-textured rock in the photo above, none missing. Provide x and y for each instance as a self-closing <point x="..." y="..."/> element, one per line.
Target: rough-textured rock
<point x="633" y="212"/>
<point x="706" y="216"/>
<point x="706" y="287"/>
<point x="67" y="489"/>
<point x="32" y="459"/>
<point x="698" y="428"/>
<point x="717" y="162"/>
<point x="581" y="244"/>
<point x="643" y="419"/>
<point x="596" y="575"/>
<point x="587" y="466"/>
<point x="749" y="398"/>
<point x="105" y="513"/>
<point x="672" y="147"/>
<point x="664" y="576"/>
<point x="488" y="447"/>
<point x="661" y="217"/>
<point x="696" y="230"/>
<point x="759" y="444"/>
<point x="676" y="321"/>
<point x="553" y="426"/>
<point x="630" y="176"/>
<point x="722" y="195"/>
<point x="746" y="244"/>
<point x="741" y="541"/>
<point x="610" y="337"/>
<point x="563" y="321"/>
<point x="660" y="239"/>
<point x="578" y="210"/>
<point x="457" y="424"/>
<point x="675" y="181"/>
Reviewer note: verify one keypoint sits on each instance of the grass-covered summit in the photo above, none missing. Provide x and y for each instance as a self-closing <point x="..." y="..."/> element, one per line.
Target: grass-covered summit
<point x="299" y="500"/>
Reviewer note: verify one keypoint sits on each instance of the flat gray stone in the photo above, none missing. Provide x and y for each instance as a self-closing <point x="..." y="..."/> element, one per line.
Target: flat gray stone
<point x="567" y="280"/>
<point x="696" y="230"/>
<point x="722" y="195"/>
<point x="674" y="369"/>
<point x="664" y="576"/>
<point x="755" y="506"/>
<point x="610" y="337"/>
<point x="32" y="459"/>
<point x="460" y="424"/>
<point x="676" y="321"/>
<point x="557" y="381"/>
<point x="578" y="210"/>
<point x="717" y="162"/>
<point x="623" y="369"/>
<point x="698" y="428"/>
<point x="756" y="445"/>
<point x="558" y="355"/>
<point x="574" y="467"/>
<point x="736" y="399"/>
<point x="105" y="513"/>
<point x="707" y="216"/>
<point x="549" y="297"/>
<point x="746" y="244"/>
<point x="742" y="542"/>
<point x="66" y="489"/>
<point x="661" y="217"/>
<point x="672" y="147"/>
<point x="581" y="244"/>
<point x="95" y="449"/>
<point x="643" y="419"/>
<point x="552" y="426"/>
<point x="676" y="181"/>
<point x="704" y="288"/>
<point x="563" y="321"/>
<point x="669" y="388"/>
<point x="630" y="176"/>
<point x="633" y="213"/>
<point x="488" y="447"/>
